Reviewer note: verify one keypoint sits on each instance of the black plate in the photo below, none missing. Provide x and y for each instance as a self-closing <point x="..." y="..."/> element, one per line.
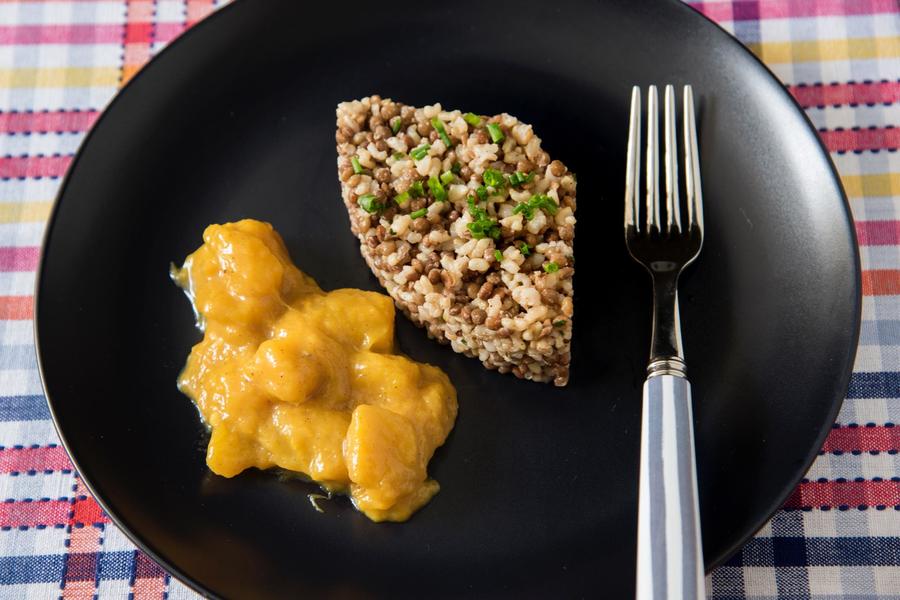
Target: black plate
<point x="538" y="484"/>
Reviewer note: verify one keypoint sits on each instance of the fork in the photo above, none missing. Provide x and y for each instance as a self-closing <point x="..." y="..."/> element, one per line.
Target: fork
<point x="670" y="554"/>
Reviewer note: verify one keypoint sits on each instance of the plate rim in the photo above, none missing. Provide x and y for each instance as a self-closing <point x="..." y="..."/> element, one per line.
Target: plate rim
<point x="134" y="537"/>
<point x="857" y="296"/>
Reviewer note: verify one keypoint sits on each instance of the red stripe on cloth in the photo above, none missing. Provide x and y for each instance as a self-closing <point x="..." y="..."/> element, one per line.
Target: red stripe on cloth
<point x="60" y="34"/>
<point x="836" y="494"/>
<point x="16" y="308"/>
<point x="12" y="167"/>
<point x="86" y="510"/>
<point x="881" y="282"/>
<point x="198" y="10"/>
<point x="856" y="140"/>
<point x="878" y="233"/>
<point x="79" y="34"/>
<point x="138" y="33"/>
<point x="862" y="439"/>
<point x="23" y="460"/>
<point x="29" y="514"/>
<point x="754" y="10"/>
<point x="51" y="513"/>
<point x="56" y="121"/>
<point x="19" y="258"/>
<point x="838" y="94"/>
<point x="166" y="32"/>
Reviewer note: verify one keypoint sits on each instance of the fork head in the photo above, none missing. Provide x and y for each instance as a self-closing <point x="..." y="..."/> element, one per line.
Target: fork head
<point x="659" y="236"/>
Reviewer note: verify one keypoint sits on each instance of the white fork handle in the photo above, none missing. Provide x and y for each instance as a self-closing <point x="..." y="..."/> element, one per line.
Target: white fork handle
<point x="670" y="555"/>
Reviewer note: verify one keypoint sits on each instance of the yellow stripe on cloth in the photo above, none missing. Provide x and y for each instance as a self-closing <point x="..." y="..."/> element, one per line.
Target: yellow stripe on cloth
<point x="882" y="184"/>
<point x="59" y="77"/>
<point x="822" y="50"/>
<point x="24" y="212"/>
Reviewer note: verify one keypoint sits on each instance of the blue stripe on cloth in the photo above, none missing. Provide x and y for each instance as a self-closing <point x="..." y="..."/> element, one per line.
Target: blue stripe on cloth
<point x="18" y="357"/>
<point x="819" y="552"/>
<point x="880" y="333"/>
<point x="116" y="565"/>
<point x="31" y="569"/>
<point x="23" y="408"/>
<point x="876" y="384"/>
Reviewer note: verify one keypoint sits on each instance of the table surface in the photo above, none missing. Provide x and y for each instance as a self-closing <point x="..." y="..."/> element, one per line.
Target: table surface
<point x="838" y="536"/>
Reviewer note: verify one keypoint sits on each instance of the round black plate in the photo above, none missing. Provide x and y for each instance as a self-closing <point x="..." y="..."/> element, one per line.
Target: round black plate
<point x="538" y="484"/>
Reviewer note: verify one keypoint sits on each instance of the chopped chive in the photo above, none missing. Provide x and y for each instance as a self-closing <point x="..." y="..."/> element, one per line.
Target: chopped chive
<point x="551" y="267"/>
<point x="525" y="209"/>
<point x="493" y="178"/>
<point x="545" y="203"/>
<point x="369" y="203"/>
<point x="524" y="249"/>
<point x="446" y="177"/>
<point x="419" y="213"/>
<point x="396" y="124"/>
<point x="482" y="192"/>
<point x="439" y="127"/>
<point x="357" y="168"/>
<point x="541" y="201"/>
<point x="482" y="225"/>
<point x="398" y="155"/>
<point x="416" y="190"/>
<point x="420" y="152"/>
<point x="437" y="189"/>
<point x="456" y="168"/>
<point x="472" y="119"/>
<point x="498" y="255"/>
<point x="495" y="132"/>
<point x="402" y="198"/>
<point x="519" y="178"/>
<point x="560" y="323"/>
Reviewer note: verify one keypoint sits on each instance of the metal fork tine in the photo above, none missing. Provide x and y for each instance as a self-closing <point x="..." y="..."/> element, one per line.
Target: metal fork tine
<point x="633" y="161"/>
<point x="652" y="158"/>
<point x="692" y="163"/>
<point x="673" y="210"/>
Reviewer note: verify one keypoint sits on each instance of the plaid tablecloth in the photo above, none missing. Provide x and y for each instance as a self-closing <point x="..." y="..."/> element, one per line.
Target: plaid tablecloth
<point x="838" y="536"/>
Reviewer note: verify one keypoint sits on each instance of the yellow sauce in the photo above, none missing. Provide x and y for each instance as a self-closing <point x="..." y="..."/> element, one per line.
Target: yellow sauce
<point x="290" y="376"/>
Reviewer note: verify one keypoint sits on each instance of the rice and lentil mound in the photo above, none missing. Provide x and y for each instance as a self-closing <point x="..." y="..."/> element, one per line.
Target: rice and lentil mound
<point x="468" y="224"/>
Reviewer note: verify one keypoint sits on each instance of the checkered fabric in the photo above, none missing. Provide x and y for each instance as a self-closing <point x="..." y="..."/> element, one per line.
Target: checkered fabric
<point x="838" y="536"/>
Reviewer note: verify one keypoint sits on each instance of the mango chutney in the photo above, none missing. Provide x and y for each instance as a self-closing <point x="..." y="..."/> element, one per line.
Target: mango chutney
<point x="290" y="376"/>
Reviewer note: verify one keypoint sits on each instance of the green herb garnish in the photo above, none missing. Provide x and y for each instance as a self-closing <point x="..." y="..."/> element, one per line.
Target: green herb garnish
<point x="420" y="152"/>
<point x="559" y="323"/>
<point x="519" y="178"/>
<point x="398" y="155"/>
<point x="493" y="178"/>
<point x="551" y="267"/>
<point x="482" y="192"/>
<point x="369" y="203"/>
<point x="402" y="198"/>
<point x="437" y="189"/>
<point x="482" y="225"/>
<point x="524" y="249"/>
<point x="439" y="127"/>
<point x="495" y="132"/>
<point x="456" y="168"/>
<point x="396" y="124"/>
<point x="416" y="190"/>
<point x="357" y="168"/>
<point x="498" y="255"/>
<point x="419" y="213"/>
<point x="538" y="201"/>
<point x="472" y="119"/>
<point x="446" y="177"/>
